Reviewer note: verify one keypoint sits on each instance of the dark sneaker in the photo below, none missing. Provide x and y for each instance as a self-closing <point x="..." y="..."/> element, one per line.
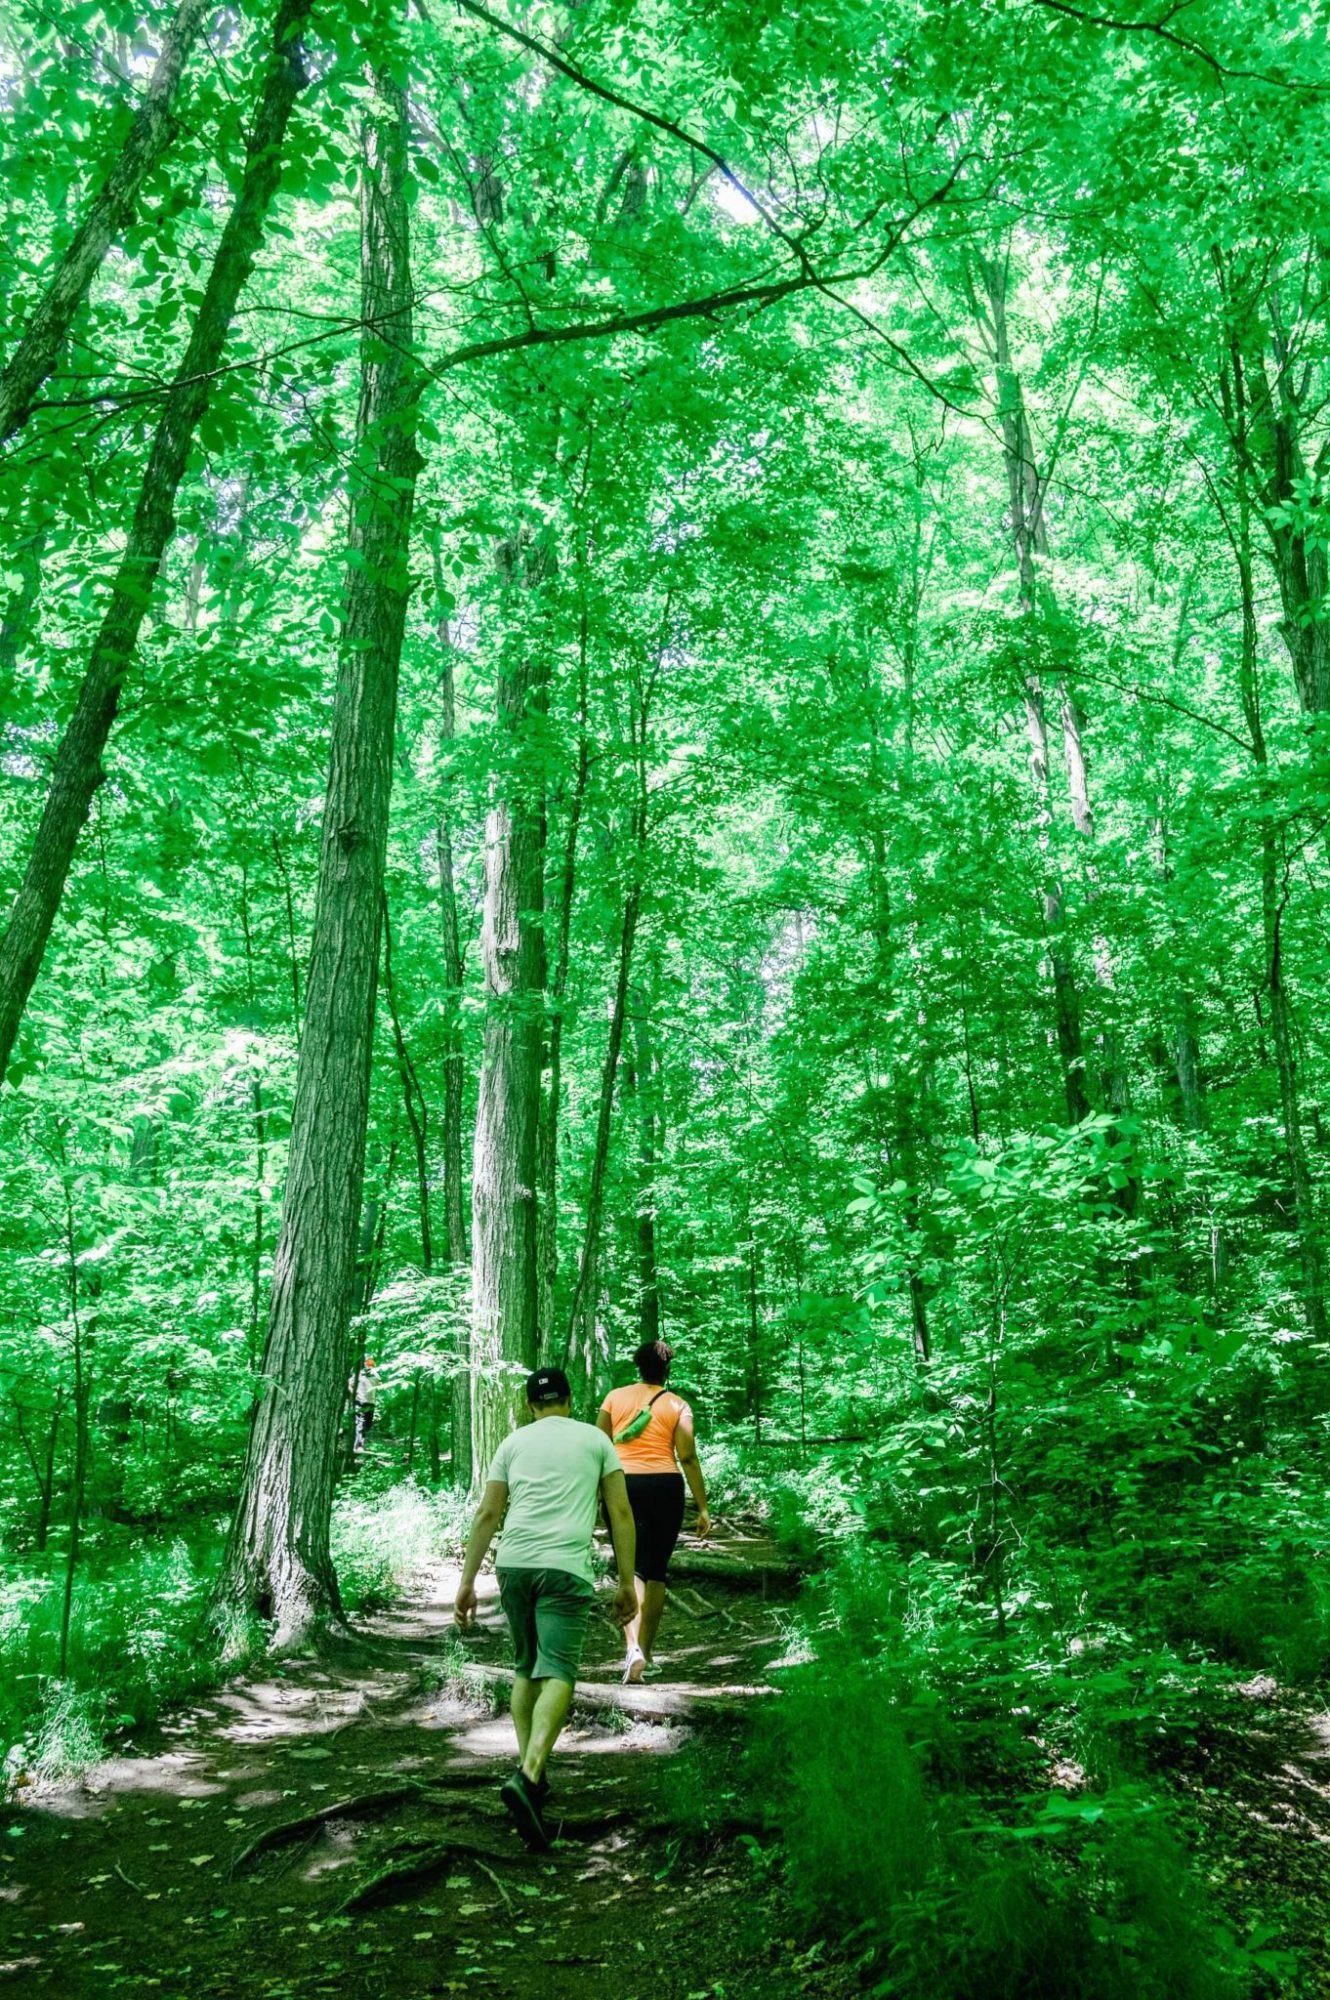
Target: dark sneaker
<point x="523" y="1801"/>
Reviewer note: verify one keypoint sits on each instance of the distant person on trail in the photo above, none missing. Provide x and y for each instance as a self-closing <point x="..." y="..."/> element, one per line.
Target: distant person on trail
<point x="364" y="1392"/>
<point x="652" y="1431"/>
<point x="544" y="1484"/>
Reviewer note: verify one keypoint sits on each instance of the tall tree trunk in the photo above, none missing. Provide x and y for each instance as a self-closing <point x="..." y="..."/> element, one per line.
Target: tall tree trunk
<point x="413" y="1097"/>
<point x="454" y="1074"/>
<point x="1030" y="540"/>
<point x="78" y="761"/>
<point x="582" y="1351"/>
<point x="1274" y="431"/>
<point x="1027" y="492"/>
<point x="260" y="1136"/>
<point x="82" y="1387"/>
<point x="110" y="209"/>
<point x="893" y="1060"/>
<point x="585" y="1357"/>
<point x="505" y="1331"/>
<point x="548" y="1247"/>
<point x="647" y="1070"/>
<point x="1184" y="1037"/>
<point x="1282" y="1030"/>
<point x="278" y="1561"/>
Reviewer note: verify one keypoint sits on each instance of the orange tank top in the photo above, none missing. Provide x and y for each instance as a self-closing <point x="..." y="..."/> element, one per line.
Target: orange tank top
<point x="652" y="1450"/>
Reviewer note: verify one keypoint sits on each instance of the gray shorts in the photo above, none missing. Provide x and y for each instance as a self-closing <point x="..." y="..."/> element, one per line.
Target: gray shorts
<point x="547" y="1611"/>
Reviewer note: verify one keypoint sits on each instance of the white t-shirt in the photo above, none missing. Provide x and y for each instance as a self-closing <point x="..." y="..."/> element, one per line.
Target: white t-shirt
<point x="552" y="1469"/>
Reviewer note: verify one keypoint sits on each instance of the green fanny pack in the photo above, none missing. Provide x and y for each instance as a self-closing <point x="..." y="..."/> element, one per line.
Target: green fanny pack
<point x="637" y="1424"/>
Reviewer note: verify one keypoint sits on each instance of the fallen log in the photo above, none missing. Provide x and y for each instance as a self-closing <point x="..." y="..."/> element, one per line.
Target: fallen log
<point x="733" y="1567"/>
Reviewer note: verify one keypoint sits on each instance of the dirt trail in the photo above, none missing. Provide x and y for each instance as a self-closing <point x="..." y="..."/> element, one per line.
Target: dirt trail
<point x="1258" y="1781"/>
<point x="335" y="1828"/>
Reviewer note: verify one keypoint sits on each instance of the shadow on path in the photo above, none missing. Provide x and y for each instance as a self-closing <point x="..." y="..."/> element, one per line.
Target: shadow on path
<point x="330" y="1827"/>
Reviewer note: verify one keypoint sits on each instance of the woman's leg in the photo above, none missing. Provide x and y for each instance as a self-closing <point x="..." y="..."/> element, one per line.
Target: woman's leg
<point x="631" y="1642"/>
<point x="651" y="1598"/>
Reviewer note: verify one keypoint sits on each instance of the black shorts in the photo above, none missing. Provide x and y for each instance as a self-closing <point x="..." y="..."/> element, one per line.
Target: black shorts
<point x="656" y="1499"/>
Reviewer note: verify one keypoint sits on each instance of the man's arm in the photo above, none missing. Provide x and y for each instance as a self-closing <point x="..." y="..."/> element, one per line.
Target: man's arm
<point x="623" y="1533"/>
<point x="604" y="1422"/>
<point x="685" y="1450"/>
<point x="483" y="1529"/>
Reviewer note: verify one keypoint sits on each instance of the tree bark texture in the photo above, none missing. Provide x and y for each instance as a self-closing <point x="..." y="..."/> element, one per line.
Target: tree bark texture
<point x="78" y="762"/>
<point x="278" y="1562"/>
<point x="111" y="208"/>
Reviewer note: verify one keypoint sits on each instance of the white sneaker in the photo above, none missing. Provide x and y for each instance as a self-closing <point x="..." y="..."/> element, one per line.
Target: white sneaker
<point x="634" y="1666"/>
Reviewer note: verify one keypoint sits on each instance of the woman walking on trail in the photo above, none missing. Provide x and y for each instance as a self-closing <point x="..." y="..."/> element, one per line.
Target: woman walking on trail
<point x="652" y="1430"/>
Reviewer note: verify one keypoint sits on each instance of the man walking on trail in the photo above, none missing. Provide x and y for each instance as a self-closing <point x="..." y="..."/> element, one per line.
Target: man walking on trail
<point x="543" y="1485"/>
<point x="363" y="1389"/>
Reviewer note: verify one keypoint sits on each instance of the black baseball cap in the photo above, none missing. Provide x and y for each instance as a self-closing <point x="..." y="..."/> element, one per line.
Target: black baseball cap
<point x="548" y="1385"/>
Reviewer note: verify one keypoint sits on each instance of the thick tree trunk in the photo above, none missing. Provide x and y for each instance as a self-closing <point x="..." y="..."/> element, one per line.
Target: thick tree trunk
<point x="505" y="1333"/>
<point x="78" y="761"/>
<point x="108" y="213"/>
<point x="278" y="1562"/>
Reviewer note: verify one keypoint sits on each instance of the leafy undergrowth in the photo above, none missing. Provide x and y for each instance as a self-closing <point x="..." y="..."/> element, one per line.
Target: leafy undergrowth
<point x="140" y="1633"/>
<point x="979" y="1819"/>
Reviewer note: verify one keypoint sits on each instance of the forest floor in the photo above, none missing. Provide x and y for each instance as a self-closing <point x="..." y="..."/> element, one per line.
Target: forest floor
<point x="1257" y="1780"/>
<point x="332" y="1825"/>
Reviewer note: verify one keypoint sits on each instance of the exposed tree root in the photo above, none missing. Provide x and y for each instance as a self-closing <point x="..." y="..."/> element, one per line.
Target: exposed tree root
<point x="461" y="1781"/>
<point x="592" y="1826"/>
<point x="363" y="1806"/>
<point x="410" y="1871"/>
<point x="699" y="1608"/>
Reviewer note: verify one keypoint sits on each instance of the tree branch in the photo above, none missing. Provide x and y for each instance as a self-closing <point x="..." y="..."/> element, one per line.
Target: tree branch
<point x="1165" y="33"/>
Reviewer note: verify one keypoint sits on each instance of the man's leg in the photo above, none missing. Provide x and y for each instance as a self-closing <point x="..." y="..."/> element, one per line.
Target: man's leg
<point x="553" y="1699"/>
<point x="523" y="1706"/>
